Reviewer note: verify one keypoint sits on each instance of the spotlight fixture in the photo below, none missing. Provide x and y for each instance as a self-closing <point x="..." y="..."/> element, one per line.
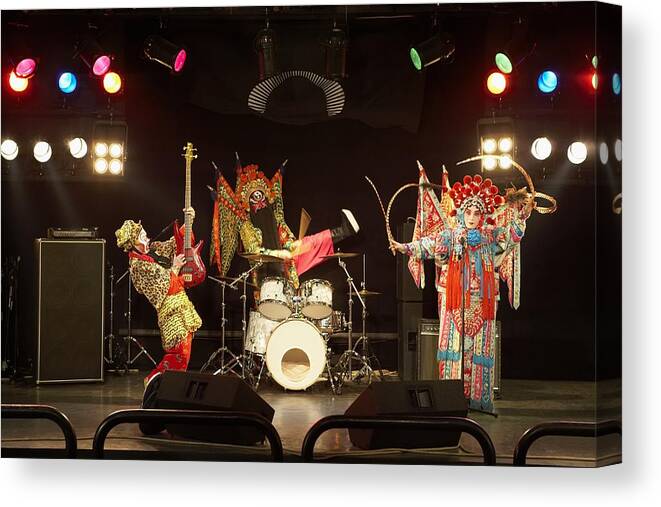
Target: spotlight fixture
<point x="541" y="148"/>
<point x="595" y="80"/>
<point x="78" y="147"/>
<point x="100" y="166"/>
<point x="67" y="82"/>
<point x="18" y="84"/>
<point x="496" y="83"/>
<point x="438" y="48"/>
<point x="265" y="47"/>
<point x="577" y="152"/>
<point x="496" y="138"/>
<point x="617" y="150"/>
<point x="547" y="81"/>
<point x="503" y="63"/>
<point x="517" y="49"/>
<point x="160" y="50"/>
<point x="42" y="151"/>
<point x="109" y="153"/>
<point x="603" y="153"/>
<point x="335" y="54"/>
<point x="9" y="149"/>
<point x="112" y="83"/>
<point x="617" y="84"/>
<point x="93" y="55"/>
<point x="26" y="68"/>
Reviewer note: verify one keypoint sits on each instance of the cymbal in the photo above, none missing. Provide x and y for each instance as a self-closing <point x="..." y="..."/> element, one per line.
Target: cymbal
<point x="341" y="255"/>
<point x="261" y="257"/>
<point x="228" y="279"/>
<point x="365" y="293"/>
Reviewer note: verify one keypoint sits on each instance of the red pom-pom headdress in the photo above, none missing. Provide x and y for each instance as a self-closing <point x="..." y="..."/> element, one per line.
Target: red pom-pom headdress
<point x="476" y="192"/>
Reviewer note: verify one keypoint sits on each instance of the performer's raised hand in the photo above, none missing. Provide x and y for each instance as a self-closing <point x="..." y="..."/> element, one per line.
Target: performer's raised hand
<point x="396" y="247"/>
<point x="189" y="211"/>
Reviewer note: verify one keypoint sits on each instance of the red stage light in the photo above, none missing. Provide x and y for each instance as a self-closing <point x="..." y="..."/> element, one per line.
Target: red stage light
<point x="18" y="84"/>
<point x="101" y="65"/>
<point x="25" y="67"/>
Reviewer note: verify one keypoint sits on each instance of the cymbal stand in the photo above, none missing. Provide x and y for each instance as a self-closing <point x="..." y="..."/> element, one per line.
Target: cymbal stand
<point x="244" y="323"/>
<point x="223" y="350"/>
<point x="344" y="365"/>
<point x="128" y="339"/>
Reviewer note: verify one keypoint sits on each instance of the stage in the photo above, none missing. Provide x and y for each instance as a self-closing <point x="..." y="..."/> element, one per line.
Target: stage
<point x="524" y="403"/>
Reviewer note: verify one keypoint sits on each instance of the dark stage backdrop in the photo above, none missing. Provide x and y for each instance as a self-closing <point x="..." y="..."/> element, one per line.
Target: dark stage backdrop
<point x="432" y="117"/>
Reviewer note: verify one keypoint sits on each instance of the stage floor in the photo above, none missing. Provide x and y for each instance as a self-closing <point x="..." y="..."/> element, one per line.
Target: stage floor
<point x="523" y="404"/>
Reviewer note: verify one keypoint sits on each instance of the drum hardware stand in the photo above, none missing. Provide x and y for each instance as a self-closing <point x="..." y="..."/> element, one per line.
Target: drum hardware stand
<point x="344" y="364"/>
<point x="224" y="367"/>
<point x="128" y="339"/>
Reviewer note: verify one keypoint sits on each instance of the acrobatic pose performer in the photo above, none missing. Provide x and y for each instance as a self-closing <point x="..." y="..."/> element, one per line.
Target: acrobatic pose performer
<point x="254" y="211"/>
<point x="468" y="248"/>
<point x="154" y="270"/>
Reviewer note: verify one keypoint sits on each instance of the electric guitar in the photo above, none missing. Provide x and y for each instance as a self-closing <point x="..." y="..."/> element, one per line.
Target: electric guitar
<point x="193" y="272"/>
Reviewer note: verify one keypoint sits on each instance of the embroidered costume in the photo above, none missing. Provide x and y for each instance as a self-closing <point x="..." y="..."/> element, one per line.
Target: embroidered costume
<point x="469" y="262"/>
<point x="151" y="276"/>
<point x="254" y="212"/>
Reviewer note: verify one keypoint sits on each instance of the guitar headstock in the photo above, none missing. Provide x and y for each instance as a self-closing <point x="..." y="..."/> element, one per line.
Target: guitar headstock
<point x="189" y="152"/>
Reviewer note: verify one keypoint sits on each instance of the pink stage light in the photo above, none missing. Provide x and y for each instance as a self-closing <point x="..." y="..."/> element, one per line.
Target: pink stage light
<point x="179" y="61"/>
<point x="101" y="65"/>
<point x="25" y="68"/>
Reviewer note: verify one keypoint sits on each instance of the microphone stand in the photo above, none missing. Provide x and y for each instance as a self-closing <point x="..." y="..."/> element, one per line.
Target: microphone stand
<point x="223" y="348"/>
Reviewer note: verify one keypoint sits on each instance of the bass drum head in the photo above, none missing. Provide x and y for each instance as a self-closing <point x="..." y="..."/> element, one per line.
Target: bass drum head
<point x="296" y="354"/>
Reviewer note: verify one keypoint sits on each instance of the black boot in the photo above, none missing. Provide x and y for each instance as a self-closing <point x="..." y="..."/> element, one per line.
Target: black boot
<point x="348" y="228"/>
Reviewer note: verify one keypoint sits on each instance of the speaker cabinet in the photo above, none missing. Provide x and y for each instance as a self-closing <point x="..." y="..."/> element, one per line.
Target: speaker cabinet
<point x="391" y="399"/>
<point x="201" y="391"/>
<point x="70" y="310"/>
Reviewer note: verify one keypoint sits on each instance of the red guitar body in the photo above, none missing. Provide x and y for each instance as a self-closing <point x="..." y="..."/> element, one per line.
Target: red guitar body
<point x="194" y="271"/>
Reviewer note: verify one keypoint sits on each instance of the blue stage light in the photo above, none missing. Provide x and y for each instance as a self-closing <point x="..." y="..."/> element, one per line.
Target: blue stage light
<point x="547" y="81"/>
<point x="67" y="82"/>
<point x="617" y="84"/>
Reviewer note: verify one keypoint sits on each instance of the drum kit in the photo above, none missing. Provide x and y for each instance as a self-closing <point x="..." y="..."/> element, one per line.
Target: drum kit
<point x="288" y="335"/>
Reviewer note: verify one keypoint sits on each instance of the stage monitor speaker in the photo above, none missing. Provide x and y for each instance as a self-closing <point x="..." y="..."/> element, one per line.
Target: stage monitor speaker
<point x="201" y="391"/>
<point x="406" y="289"/>
<point x="70" y="310"/>
<point x="391" y="399"/>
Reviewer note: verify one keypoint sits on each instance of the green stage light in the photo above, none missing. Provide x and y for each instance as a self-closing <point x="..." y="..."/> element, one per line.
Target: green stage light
<point x="503" y="63"/>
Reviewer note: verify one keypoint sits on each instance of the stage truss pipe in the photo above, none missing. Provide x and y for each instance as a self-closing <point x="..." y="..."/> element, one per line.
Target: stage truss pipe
<point x="11" y="411"/>
<point x="197" y="417"/>
<point x="561" y="429"/>
<point x="414" y="423"/>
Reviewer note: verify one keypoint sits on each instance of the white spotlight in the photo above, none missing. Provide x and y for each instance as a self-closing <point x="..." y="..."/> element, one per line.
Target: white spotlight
<point x="618" y="150"/>
<point x="101" y="166"/>
<point x="488" y="146"/>
<point x="78" y="147"/>
<point x="505" y="144"/>
<point x="541" y="148"/>
<point x="577" y="152"/>
<point x="9" y="149"/>
<point x="505" y="162"/>
<point x="100" y="149"/>
<point x="42" y="151"/>
<point x="115" y="166"/>
<point x="489" y="163"/>
<point x="603" y="153"/>
<point x="115" y="150"/>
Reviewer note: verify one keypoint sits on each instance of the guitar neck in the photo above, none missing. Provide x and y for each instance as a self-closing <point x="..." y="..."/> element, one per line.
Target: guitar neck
<point x="187" y="200"/>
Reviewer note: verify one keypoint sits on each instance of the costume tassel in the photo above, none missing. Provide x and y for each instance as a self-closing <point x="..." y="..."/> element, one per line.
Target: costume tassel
<point x="453" y="300"/>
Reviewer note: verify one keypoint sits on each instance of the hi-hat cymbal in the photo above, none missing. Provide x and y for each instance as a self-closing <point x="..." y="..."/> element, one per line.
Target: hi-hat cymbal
<point x="365" y="293"/>
<point x="261" y="257"/>
<point x="341" y="255"/>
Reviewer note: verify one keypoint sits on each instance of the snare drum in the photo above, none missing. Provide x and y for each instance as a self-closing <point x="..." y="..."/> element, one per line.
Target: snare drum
<point x="296" y="354"/>
<point x="317" y="298"/>
<point x="275" y="298"/>
<point x="334" y="323"/>
<point x="259" y="332"/>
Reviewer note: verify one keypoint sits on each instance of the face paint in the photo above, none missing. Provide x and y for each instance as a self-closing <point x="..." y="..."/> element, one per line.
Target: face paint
<point x="143" y="241"/>
<point x="472" y="216"/>
<point x="257" y="200"/>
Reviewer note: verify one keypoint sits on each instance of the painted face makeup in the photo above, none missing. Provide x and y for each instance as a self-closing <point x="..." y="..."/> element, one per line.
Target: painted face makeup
<point x="143" y="240"/>
<point x="472" y="216"/>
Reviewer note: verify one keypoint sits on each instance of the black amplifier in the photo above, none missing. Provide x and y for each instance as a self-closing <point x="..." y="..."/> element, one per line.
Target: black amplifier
<point x="73" y="233"/>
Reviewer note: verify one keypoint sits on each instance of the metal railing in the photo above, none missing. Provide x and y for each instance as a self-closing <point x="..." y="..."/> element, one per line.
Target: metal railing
<point x="193" y="417"/>
<point x="14" y="411"/>
<point x="561" y="429"/>
<point x="386" y="423"/>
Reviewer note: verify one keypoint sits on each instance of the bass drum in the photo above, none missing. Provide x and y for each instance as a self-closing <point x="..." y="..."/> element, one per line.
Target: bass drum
<point x="259" y="331"/>
<point x="296" y="354"/>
